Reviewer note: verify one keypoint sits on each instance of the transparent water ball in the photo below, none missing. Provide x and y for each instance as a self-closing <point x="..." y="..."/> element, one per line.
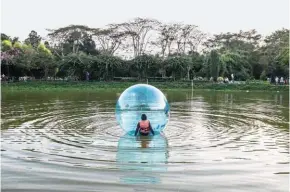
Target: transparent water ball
<point x="142" y="99"/>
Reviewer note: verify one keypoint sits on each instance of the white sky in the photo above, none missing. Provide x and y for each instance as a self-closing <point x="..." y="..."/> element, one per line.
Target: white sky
<point x="19" y="17"/>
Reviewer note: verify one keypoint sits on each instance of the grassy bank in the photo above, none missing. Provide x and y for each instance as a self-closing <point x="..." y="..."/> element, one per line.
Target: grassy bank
<point x="60" y="85"/>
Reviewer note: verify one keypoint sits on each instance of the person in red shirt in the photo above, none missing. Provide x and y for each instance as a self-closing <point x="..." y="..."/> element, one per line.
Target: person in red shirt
<point x="144" y="127"/>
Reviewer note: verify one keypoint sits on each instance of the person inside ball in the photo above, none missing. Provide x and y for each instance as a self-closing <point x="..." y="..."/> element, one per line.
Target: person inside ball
<point x="144" y="127"/>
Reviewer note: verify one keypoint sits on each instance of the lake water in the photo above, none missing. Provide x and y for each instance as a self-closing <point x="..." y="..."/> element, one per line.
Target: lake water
<point x="215" y="141"/>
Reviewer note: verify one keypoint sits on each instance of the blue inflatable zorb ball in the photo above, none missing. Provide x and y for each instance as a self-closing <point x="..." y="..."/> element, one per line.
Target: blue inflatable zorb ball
<point x="142" y="99"/>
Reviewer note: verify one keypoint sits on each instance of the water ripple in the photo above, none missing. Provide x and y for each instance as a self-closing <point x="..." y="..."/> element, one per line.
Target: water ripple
<point x="206" y="137"/>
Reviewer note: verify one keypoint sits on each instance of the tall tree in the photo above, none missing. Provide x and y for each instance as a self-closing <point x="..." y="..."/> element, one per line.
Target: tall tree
<point x="109" y="40"/>
<point x="167" y="34"/>
<point x="44" y="60"/>
<point x="276" y="45"/>
<point x="197" y="63"/>
<point x="73" y="38"/>
<point x="175" y="65"/>
<point x="8" y="55"/>
<point x="5" y="37"/>
<point x="185" y="33"/>
<point x="196" y="40"/>
<point x="143" y="63"/>
<point x="233" y="47"/>
<point x="214" y="64"/>
<point x="33" y="39"/>
<point x="137" y="30"/>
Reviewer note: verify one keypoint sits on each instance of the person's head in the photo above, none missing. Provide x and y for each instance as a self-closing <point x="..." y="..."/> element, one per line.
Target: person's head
<point x="143" y="117"/>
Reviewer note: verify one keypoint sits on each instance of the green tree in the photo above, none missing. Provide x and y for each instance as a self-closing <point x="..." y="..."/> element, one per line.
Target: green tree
<point x="197" y="63"/>
<point x="33" y="39"/>
<point x="214" y="62"/>
<point x="74" y="39"/>
<point x="235" y="63"/>
<point x="74" y="65"/>
<point x="108" y="65"/>
<point x="8" y="55"/>
<point x="5" y="37"/>
<point x="109" y="40"/>
<point x="44" y="60"/>
<point x="137" y="32"/>
<point x="143" y="64"/>
<point x="275" y="55"/>
<point x="6" y="45"/>
<point x="175" y="65"/>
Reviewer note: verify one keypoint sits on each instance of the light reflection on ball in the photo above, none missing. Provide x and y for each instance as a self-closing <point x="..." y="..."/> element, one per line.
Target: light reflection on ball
<point x="142" y="99"/>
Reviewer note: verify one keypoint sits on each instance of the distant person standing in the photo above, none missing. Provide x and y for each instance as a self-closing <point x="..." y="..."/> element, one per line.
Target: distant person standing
<point x="276" y="80"/>
<point x="281" y="80"/>
<point x="87" y="76"/>
<point x="226" y="80"/>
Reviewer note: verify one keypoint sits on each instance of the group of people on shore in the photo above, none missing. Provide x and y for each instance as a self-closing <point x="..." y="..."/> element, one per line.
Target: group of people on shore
<point x="279" y="81"/>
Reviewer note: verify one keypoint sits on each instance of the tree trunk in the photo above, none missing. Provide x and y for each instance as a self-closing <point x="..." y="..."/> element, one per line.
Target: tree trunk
<point x="73" y="48"/>
<point x="113" y="74"/>
<point x="173" y="75"/>
<point x="107" y="72"/>
<point x="45" y="72"/>
<point x="163" y="68"/>
<point x="163" y="72"/>
<point x="8" y="73"/>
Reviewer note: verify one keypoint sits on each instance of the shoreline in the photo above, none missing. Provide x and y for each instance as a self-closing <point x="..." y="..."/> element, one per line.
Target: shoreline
<point x="113" y="85"/>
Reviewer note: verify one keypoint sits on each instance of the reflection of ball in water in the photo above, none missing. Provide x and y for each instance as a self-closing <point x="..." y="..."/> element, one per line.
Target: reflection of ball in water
<point x="140" y="150"/>
<point x="142" y="159"/>
<point x="142" y="99"/>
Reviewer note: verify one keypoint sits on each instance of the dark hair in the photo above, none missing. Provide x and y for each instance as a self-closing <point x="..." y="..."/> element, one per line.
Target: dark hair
<point x="143" y="117"/>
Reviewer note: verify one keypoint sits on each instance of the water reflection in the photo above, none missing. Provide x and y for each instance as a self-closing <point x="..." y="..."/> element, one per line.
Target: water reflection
<point x="278" y="99"/>
<point x="142" y="158"/>
<point x="58" y="139"/>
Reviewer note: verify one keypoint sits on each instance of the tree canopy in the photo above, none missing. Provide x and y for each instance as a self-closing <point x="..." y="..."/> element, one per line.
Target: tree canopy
<point x="143" y="48"/>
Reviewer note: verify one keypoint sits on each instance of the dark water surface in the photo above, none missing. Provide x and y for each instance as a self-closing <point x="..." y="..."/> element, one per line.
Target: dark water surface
<point x="215" y="141"/>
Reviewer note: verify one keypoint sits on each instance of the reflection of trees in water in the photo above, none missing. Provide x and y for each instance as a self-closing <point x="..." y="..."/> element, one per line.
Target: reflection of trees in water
<point x="281" y="107"/>
<point x="248" y="107"/>
<point x="176" y="96"/>
<point x="278" y="99"/>
<point x="140" y="157"/>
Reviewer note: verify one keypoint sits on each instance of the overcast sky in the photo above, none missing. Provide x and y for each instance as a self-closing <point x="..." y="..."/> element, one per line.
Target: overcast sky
<point x="19" y="17"/>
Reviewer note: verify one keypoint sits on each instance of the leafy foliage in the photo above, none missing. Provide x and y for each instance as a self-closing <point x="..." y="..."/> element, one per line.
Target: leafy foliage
<point x="144" y="48"/>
